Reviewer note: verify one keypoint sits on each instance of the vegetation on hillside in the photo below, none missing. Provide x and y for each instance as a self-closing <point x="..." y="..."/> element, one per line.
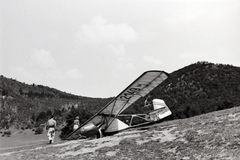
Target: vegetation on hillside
<point x="195" y="89"/>
<point x="25" y="106"/>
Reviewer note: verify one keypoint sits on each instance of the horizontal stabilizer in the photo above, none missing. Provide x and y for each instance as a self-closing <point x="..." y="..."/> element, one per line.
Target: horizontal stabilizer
<point x="158" y="103"/>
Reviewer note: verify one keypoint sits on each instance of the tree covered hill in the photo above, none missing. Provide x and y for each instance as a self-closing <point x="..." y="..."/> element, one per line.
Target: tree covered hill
<point x="22" y="103"/>
<point x="195" y="89"/>
<point x="199" y="88"/>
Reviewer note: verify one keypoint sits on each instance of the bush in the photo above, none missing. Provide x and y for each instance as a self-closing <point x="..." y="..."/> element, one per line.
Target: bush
<point x="39" y="130"/>
<point x="17" y="126"/>
<point x="7" y="132"/>
<point x="42" y="125"/>
<point x="29" y="126"/>
<point x="65" y="131"/>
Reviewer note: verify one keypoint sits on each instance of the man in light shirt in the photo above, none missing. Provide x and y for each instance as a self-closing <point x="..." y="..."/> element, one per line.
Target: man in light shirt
<point x="51" y="125"/>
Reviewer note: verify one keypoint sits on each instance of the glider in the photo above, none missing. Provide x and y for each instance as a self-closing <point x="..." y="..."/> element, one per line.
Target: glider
<point x="108" y="118"/>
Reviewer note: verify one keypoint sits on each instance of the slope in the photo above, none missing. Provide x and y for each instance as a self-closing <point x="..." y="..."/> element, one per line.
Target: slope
<point x="209" y="136"/>
<point x="196" y="89"/>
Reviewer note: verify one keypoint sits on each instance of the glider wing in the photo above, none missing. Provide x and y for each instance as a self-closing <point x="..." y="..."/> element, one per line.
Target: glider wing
<point x="137" y="89"/>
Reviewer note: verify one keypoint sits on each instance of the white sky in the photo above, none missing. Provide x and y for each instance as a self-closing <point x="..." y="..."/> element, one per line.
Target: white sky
<point x="97" y="48"/>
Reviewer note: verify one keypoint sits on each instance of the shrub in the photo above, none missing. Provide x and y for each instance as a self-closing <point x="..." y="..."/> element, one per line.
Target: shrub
<point x="39" y="130"/>
<point x="7" y="132"/>
<point x="42" y="125"/>
<point x="29" y="126"/>
<point x="17" y="126"/>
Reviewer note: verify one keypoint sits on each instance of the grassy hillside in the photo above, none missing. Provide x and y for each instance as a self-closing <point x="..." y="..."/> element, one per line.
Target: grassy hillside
<point x="195" y="89"/>
<point x="212" y="136"/>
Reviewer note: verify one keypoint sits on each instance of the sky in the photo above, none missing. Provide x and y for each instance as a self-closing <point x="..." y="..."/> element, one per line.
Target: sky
<point x="97" y="48"/>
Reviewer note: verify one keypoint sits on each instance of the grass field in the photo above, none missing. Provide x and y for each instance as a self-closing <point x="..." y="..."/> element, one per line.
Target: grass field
<point x="21" y="138"/>
<point x="212" y="136"/>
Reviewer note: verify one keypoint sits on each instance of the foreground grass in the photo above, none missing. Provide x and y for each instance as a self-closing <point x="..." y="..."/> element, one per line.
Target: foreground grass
<point x="211" y="136"/>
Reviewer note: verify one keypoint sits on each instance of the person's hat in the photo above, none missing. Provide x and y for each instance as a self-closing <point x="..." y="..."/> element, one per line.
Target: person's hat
<point x="77" y="117"/>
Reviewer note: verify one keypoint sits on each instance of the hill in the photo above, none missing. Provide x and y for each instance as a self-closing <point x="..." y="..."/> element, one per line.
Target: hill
<point x="24" y="105"/>
<point x="201" y="88"/>
<point x="196" y="89"/>
<point x="214" y="135"/>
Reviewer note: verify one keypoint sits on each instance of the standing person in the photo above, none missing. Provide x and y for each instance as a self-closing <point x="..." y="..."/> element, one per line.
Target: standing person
<point x="51" y="125"/>
<point x="76" y="123"/>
